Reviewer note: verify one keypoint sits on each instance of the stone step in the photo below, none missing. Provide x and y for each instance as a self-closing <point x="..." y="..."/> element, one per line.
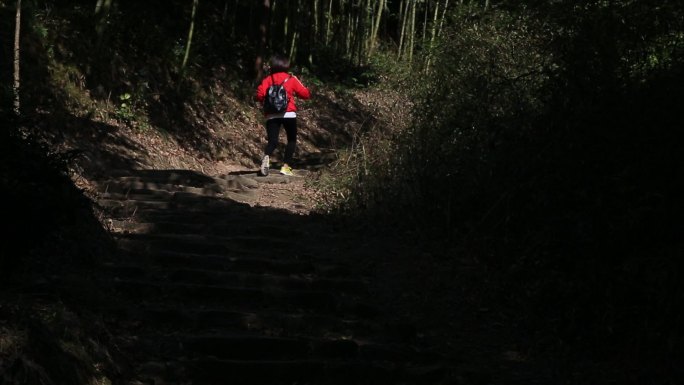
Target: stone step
<point x="244" y="261"/>
<point x="187" y="203"/>
<point x="208" y="371"/>
<point x="179" y="194"/>
<point x="178" y="177"/>
<point x="237" y="213"/>
<point x="136" y="194"/>
<point x="206" y="243"/>
<point x="229" y="226"/>
<point x="250" y="346"/>
<point x="234" y="220"/>
<point x="242" y="279"/>
<point x="234" y="347"/>
<point x="240" y="298"/>
<point x="196" y="318"/>
<point x="127" y="189"/>
<point x="130" y="207"/>
<point x="210" y="252"/>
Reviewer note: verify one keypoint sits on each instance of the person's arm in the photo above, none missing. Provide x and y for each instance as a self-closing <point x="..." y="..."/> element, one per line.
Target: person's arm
<point x="300" y="90"/>
<point x="261" y="91"/>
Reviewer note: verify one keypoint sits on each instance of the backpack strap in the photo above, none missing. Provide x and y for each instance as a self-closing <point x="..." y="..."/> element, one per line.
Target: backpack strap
<point x="284" y="81"/>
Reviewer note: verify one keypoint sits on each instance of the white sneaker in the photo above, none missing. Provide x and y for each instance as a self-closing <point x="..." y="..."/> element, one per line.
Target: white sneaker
<point x="265" y="165"/>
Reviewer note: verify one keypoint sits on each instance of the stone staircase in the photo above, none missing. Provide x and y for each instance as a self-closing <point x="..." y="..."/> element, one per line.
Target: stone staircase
<point x="210" y="290"/>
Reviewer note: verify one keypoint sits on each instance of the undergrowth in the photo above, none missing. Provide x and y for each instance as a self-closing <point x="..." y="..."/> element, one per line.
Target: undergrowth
<point x="46" y="336"/>
<point x="546" y="163"/>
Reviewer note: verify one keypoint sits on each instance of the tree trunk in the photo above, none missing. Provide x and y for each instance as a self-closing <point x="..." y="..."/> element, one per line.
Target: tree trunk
<point x="17" y="79"/>
<point x="224" y="14"/>
<point x="229" y="21"/>
<point x="441" y="22"/>
<point x="362" y="32"/>
<point x="294" y="38"/>
<point x="364" y="39"/>
<point x="190" y="33"/>
<point x="328" y="27"/>
<point x="348" y="35"/>
<point x="263" y="38"/>
<point x="376" y="27"/>
<point x="433" y="35"/>
<point x="403" y="12"/>
<point x="293" y="46"/>
<point x="286" y="26"/>
<point x="412" y="32"/>
<point x="314" y="35"/>
<point x="102" y="9"/>
<point x="423" y="36"/>
<point x="355" y="31"/>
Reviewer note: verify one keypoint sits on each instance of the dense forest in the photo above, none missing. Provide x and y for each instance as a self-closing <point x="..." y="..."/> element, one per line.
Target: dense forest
<point x="543" y="140"/>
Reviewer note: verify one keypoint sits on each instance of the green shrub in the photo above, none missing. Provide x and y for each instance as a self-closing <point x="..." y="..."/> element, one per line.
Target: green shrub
<point x="547" y="147"/>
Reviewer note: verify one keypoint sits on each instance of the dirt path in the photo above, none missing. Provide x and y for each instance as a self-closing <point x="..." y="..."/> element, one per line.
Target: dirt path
<point x="229" y="279"/>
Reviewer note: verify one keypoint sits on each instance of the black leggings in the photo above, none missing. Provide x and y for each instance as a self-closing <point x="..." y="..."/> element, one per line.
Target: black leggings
<point x="273" y="131"/>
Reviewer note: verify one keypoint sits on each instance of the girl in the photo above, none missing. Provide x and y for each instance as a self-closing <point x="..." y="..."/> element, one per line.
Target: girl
<point x="279" y="65"/>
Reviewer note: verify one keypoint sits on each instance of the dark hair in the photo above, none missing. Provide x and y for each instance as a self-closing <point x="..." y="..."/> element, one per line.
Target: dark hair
<point x="279" y="63"/>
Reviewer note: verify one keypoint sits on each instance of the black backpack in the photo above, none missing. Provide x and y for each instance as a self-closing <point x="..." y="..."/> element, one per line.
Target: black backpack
<point x="276" y="97"/>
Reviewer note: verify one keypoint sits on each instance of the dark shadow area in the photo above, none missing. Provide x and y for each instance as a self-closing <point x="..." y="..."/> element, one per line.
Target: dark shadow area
<point x="46" y="210"/>
<point x="209" y="286"/>
<point x="340" y="120"/>
<point x="96" y="147"/>
<point x="332" y="67"/>
<point x="121" y="68"/>
<point x="315" y="161"/>
<point x="52" y="234"/>
<point x="247" y="172"/>
<point x="558" y="186"/>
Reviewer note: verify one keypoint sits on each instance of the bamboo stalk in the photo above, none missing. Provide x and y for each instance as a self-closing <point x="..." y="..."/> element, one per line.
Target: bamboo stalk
<point x="17" y="79"/>
<point x="190" y="33"/>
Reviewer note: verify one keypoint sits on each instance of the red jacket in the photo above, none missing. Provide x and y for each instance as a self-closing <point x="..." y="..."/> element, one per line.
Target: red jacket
<point x="293" y="87"/>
